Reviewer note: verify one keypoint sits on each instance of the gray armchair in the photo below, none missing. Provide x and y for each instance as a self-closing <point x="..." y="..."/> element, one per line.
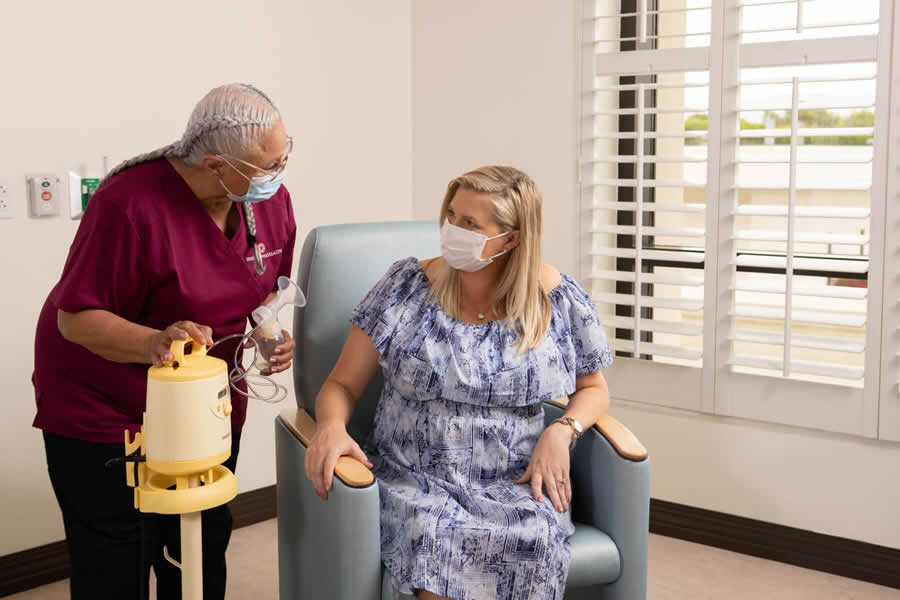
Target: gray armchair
<point x="331" y="550"/>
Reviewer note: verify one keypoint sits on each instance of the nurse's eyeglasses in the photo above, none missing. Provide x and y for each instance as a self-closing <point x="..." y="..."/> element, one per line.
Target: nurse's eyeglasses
<point x="272" y="172"/>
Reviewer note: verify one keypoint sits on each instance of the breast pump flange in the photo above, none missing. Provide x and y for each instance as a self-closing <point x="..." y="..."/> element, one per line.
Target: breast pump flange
<point x="267" y="334"/>
<point x="185" y="437"/>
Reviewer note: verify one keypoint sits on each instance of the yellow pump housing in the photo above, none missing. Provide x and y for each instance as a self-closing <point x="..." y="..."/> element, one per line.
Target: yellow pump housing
<point x="186" y="435"/>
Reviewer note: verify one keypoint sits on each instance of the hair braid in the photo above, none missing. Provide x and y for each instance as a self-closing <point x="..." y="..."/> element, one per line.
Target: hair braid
<point x="230" y="119"/>
<point x="172" y="150"/>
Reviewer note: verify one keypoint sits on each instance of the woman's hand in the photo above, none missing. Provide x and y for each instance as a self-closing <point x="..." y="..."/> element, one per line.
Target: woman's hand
<point x="549" y="466"/>
<point x="330" y="443"/>
<point x="161" y="342"/>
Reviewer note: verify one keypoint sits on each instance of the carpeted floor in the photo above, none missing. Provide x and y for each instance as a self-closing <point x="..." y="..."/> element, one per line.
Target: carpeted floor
<point x="678" y="571"/>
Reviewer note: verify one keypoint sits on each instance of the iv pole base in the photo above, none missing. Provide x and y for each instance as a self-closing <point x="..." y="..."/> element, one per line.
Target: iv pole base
<point x="186" y="495"/>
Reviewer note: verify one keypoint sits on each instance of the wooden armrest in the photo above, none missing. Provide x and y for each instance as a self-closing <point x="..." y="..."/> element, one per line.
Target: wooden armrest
<point x="348" y="469"/>
<point x="620" y="437"/>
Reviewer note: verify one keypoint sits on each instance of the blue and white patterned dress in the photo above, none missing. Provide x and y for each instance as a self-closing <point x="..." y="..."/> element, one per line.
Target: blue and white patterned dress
<point x="459" y="417"/>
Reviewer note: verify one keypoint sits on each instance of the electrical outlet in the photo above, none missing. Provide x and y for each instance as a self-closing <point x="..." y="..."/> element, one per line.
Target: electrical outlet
<point x="6" y="202"/>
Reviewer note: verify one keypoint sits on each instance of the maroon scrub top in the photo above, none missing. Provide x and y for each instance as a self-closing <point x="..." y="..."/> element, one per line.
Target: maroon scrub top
<point x="148" y="251"/>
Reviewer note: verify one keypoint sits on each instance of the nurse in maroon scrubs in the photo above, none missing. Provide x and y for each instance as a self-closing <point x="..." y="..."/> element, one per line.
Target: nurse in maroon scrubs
<point x="183" y="241"/>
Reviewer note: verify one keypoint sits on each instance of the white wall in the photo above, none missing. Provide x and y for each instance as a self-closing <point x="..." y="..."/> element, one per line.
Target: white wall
<point x="102" y="77"/>
<point x="494" y="82"/>
<point x="835" y="484"/>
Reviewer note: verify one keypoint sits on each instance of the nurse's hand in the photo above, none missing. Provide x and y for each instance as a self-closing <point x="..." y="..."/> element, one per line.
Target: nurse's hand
<point x="329" y="444"/>
<point x="549" y="467"/>
<point x="283" y="355"/>
<point x="160" y="343"/>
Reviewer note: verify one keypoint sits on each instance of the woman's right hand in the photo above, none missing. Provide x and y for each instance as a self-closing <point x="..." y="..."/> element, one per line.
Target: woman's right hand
<point x="161" y="342"/>
<point x="330" y="442"/>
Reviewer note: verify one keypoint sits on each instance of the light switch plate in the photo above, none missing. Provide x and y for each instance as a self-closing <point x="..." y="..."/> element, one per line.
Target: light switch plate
<point x="6" y="199"/>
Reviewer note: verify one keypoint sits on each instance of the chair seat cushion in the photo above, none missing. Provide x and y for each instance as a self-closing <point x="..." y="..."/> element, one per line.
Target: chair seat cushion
<point x="595" y="561"/>
<point x="595" y="558"/>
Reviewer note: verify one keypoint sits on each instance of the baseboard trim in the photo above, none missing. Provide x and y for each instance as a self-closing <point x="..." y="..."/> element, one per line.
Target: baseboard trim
<point x="798" y="547"/>
<point x="33" y="568"/>
<point x="840" y="556"/>
<point x="45" y="564"/>
<point x="254" y="507"/>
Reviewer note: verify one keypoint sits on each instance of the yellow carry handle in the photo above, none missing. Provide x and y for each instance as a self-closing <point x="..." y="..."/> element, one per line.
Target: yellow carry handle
<point x="177" y="348"/>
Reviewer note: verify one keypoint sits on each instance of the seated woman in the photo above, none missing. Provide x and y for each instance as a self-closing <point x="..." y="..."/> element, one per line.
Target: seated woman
<point x="471" y="344"/>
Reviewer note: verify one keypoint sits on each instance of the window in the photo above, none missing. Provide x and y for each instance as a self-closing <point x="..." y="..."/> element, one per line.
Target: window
<point x="735" y="190"/>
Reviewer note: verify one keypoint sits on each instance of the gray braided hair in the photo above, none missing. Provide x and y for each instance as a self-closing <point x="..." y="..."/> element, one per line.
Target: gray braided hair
<point x="230" y="119"/>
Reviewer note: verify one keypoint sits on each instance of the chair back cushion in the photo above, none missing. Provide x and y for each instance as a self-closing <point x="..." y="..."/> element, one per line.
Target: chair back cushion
<point x="338" y="266"/>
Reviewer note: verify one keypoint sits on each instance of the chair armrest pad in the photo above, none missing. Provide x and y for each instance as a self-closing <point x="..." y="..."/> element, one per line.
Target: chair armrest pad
<point x="620" y="437"/>
<point x="349" y="470"/>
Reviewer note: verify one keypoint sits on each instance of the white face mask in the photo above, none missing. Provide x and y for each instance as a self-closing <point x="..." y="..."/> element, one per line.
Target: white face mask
<point x="462" y="248"/>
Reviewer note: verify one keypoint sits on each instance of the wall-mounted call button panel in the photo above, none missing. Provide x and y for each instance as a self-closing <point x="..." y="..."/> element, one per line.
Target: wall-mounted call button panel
<point x="43" y="194"/>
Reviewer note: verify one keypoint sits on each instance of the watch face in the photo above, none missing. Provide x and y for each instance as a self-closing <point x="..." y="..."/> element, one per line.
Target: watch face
<point x="573" y="424"/>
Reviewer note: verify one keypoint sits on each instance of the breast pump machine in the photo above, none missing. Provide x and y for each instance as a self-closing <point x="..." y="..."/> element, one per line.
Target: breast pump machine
<point x="186" y="432"/>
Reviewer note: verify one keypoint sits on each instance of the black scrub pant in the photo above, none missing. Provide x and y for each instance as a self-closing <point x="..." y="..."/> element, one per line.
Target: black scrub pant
<point x="103" y="529"/>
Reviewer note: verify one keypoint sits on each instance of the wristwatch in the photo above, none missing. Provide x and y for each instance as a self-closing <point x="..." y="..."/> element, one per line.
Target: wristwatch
<point x="577" y="429"/>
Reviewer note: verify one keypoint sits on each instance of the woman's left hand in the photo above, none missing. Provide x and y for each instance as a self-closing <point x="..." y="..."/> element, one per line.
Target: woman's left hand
<point x="283" y="355"/>
<point x="549" y="467"/>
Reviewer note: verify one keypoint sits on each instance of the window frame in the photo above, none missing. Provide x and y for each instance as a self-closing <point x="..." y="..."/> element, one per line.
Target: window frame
<point x="873" y="410"/>
<point x="889" y="396"/>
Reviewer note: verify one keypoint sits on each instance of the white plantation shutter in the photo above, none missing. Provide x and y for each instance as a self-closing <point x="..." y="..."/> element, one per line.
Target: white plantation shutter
<point x="823" y="195"/>
<point x="644" y="178"/>
<point x="796" y="259"/>
<point x="793" y="20"/>
<point x="733" y="190"/>
<point x="623" y="26"/>
<point x="647" y="198"/>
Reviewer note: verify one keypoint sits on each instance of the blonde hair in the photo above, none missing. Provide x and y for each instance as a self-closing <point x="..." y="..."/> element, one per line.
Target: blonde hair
<point x="517" y="207"/>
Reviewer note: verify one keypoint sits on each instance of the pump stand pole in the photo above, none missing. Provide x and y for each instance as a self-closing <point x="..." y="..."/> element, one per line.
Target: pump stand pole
<point x="192" y="552"/>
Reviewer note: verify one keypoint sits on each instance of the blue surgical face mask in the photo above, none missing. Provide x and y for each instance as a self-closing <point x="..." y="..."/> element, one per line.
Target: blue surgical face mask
<point x="261" y="188"/>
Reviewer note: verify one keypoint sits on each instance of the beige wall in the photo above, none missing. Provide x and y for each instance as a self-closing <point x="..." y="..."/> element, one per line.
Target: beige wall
<point x="495" y="82"/>
<point x="111" y="78"/>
